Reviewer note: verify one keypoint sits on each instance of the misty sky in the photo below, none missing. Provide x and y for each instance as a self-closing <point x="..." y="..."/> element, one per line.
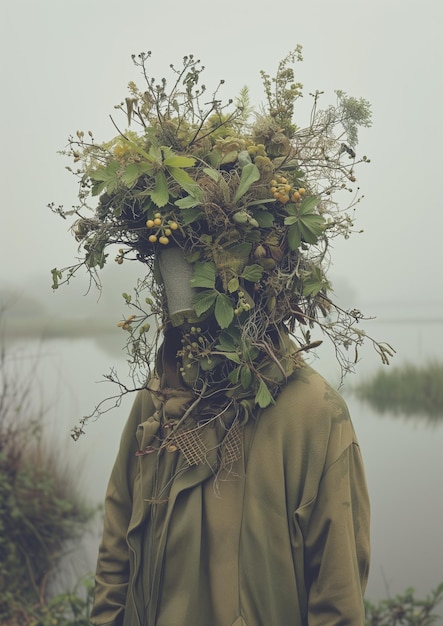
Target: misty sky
<point x="65" y="64"/>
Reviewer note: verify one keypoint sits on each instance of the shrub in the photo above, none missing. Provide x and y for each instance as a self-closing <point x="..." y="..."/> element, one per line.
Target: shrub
<point x="41" y="513"/>
<point x="409" y="390"/>
<point x="405" y="610"/>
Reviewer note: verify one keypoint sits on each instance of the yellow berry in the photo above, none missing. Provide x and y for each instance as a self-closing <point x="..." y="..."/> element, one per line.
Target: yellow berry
<point x="173" y="225"/>
<point x="287" y="187"/>
<point x="296" y="196"/>
<point x="150" y="223"/>
<point x="302" y="191"/>
<point x="152" y="238"/>
<point x="158" y="215"/>
<point x="164" y="240"/>
<point x="157" y="221"/>
<point x="168" y="232"/>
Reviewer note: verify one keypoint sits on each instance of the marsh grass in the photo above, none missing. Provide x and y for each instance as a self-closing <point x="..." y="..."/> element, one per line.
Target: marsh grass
<point x="405" y="609"/>
<point x="43" y="515"/>
<point x="408" y="390"/>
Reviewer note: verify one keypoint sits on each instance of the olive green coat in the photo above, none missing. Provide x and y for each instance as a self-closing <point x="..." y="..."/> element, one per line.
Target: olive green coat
<point x="281" y="540"/>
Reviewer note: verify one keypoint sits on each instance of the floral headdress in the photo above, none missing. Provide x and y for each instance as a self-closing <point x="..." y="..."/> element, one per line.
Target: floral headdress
<point x="252" y="201"/>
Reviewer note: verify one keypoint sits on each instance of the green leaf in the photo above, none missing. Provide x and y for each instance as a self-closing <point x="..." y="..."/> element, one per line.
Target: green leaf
<point x="263" y="397"/>
<point x="188" y="202"/>
<point x="306" y="226"/>
<point x="212" y="173"/>
<point x="308" y="205"/>
<point x="312" y="287"/>
<point x="95" y="252"/>
<point x="97" y="188"/>
<point x="291" y="209"/>
<point x="233" y="376"/>
<point x="233" y="356"/>
<point x="262" y="201"/>
<point x="224" y="310"/>
<point x="253" y="235"/>
<point x="185" y="181"/>
<point x="157" y="154"/>
<point x="292" y="219"/>
<point x="204" y="275"/>
<point x="105" y="173"/>
<point x="133" y="171"/>
<point x="253" y="273"/>
<point x="204" y="300"/>
<point x="315" y="282"/>
<point x="179" y="161"/>
<point x="239" y="250"/>
<point x="106" y="177"/>
<point x="294" y="236"/>
<point x="264" y="218"/>
<point x="229" y="340"/>
<point x="140" y="151"/>
<point x="160" y="193"/>
<point x="245" y="376"/>
<point x="233" y="284"/>
<point x="190" y="215"/>
<point x="228" y="157"/>
<point x="130" y="174"/>
<point x="249" y="175"/>
<point x="311" y="227"/>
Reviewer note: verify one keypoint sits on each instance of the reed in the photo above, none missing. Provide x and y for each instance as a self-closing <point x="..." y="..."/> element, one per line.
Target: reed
<point x="408" y="390"/>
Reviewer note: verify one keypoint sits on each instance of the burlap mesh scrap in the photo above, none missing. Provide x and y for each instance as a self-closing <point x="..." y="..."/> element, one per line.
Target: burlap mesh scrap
<point x="195" y="451"/>
<point x="231" y="449"/>
<point x="191" y="445"/>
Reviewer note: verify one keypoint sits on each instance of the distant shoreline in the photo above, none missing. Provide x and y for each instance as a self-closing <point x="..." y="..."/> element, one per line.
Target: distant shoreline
<point x="56" y="329"/>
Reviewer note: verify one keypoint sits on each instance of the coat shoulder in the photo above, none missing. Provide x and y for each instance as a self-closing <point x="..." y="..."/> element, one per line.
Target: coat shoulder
<point x="308" y="392"/>
<point x="309" y="414"/>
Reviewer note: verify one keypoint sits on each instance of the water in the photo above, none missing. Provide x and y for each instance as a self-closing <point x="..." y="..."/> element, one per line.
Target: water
<point x="402" y="456"/>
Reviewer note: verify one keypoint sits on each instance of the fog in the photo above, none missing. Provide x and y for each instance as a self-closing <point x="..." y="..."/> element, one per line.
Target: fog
<point x="64" y="65"/>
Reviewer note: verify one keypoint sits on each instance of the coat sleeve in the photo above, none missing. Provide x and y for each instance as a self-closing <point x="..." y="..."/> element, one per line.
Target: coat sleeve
<point x="112" y="572"/>
<point x="337" y="544"/>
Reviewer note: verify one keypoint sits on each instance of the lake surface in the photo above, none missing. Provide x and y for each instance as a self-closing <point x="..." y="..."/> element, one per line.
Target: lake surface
<point x="403" y="456"/>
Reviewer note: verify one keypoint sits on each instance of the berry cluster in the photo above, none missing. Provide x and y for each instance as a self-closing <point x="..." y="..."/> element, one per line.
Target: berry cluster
<point x="242" y="304"/>
<point x="192" y="345"/>
<point x="163" y="230"/>
<point x="284" y="192"/>
<point x="126" y="324"/>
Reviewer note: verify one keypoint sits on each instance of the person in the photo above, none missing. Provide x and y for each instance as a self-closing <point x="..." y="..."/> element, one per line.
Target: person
<point x="221" y="513"/>
<point x="238" y="494"/>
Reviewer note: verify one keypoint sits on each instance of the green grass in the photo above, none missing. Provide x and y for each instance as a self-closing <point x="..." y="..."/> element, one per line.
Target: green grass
<point x="406" y="390"/>
<point x="405" y="609"/>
